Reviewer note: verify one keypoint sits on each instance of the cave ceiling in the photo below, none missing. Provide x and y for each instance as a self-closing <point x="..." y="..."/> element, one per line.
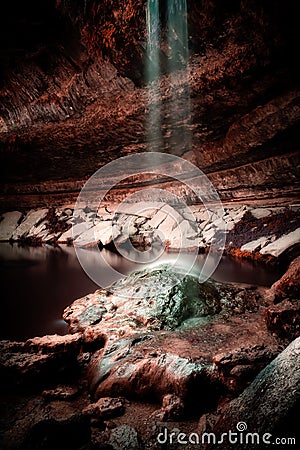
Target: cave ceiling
<point x="74" y="93"/>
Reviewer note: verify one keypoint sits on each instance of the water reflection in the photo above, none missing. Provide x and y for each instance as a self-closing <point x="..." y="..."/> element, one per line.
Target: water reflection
<point x="39" y="282"/>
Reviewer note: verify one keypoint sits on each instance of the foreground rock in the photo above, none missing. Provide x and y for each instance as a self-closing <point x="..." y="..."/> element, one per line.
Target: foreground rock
<point x="181" y="351"/>
<point x="169" y="342"/>
<point x="271" y="404"/>
<point x="283" y="319"/>
<point x="38" y="360"/>
<point x="42" y="424"/>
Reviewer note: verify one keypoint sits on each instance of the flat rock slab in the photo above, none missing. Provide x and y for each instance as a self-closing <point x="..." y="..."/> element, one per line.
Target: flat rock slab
<point x="183" y="236"/>
<point x="259" y="213"/>
<point x="75" y="231"/>
<point x="157" y="219"/>
<point x="102" y="233"/>
<point x="256" y="245"/>
<point x="277" y="247"/>
<point x="8" y="224"/>
<point x="33" y="218"/>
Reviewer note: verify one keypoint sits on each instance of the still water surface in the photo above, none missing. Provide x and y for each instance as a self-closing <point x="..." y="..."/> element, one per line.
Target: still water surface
<point x="37" y="283"/>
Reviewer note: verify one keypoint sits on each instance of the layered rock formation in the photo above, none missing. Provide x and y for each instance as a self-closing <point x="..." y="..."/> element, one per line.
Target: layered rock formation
<point x="75" y="99"/>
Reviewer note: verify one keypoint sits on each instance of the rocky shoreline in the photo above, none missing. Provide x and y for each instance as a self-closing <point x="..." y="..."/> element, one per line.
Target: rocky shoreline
<point x="264" y="233"/>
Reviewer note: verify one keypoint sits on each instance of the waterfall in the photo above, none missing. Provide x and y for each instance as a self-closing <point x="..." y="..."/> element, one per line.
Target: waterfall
<point x="168" y="120"/>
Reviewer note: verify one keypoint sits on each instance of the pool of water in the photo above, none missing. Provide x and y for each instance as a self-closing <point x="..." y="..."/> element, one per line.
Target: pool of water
<point x="37" y="283"/>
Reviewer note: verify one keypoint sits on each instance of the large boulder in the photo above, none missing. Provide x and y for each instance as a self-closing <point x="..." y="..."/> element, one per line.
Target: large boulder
<point x="164" y="332"/>
<point x="158" y="298"/>
<point x="270" y="406"/>
<point x="8" y="224"/>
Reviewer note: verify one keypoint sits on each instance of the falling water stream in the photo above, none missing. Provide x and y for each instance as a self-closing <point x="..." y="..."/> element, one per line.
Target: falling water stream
<point x="167" y="54"/>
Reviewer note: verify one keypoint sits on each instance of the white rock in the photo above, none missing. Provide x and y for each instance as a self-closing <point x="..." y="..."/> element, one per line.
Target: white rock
<point x="237" y="213"/>
<point x="230" y="226"/>
<point x="33" y="218"/>
<point x="207" y="227"/>
<point x="141" y="209"/>
<point x="256" y="245"/>
<point x="167" y="226"/>
<point x="188" y="214"/>
<point x="157" y="219"/>
<point x="239" y="216"/>
<point x="259" y="213"/>
<point x="140" y="221"/>
<point x="220" y="224"/>
<point x="36" y="230"/>
<point x="216" y="213"/>
<point x="74" y="232"/>
<point x="9" y="224"/>
<point x="188" y="230"/>
<point x="202" y="226"/>
<point x="208" y="235"/>
<point x="195" y="208"/>
<point x="148" y="214"/>
<point x="203" y="215"/>
<point x="183" y="236"/>
<point x="278" y="246"/>
<point x="105" y="214"/>
<point x="277" y="210"/>
<point x="232" y="212"/>
<point x="68" y="211"/>
<point x="103" y="232"/>
<point x="129" y="228"/>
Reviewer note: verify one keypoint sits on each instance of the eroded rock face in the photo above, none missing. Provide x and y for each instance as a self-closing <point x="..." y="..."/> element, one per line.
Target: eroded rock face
<point x="283" y="318"/>
<point x="67" y="93"/>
